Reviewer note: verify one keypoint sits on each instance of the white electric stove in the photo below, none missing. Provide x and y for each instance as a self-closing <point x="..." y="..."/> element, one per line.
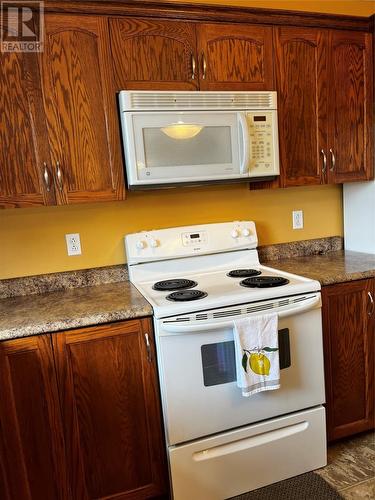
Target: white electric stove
<point x="199" y="279"/>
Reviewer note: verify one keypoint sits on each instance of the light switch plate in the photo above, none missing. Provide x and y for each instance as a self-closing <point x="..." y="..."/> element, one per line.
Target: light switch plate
<point x="73" y="244"/>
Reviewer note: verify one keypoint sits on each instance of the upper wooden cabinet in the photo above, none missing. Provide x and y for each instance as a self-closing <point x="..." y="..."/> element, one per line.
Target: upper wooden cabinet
<point x="32" y="463"/>
<point x="350" y="106"/>
<point x="111" y="412"/>
<point x="24" y="152"/>
<point x="324" y="83"/>
<point x="301" y="83"/>
<point x="348" y="333"/>
<point x="80" y="104"/>
<point x="234" y="57"/>
<point x="152" y="54"/>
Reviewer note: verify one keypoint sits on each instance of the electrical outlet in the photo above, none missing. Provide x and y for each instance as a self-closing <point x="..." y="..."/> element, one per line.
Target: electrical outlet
<point x="73" y="244"/>
<point x="297" y="219"/>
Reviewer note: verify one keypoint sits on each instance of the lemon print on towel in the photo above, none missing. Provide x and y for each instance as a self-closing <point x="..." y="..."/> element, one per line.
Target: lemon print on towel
<point x="259" y="363"/>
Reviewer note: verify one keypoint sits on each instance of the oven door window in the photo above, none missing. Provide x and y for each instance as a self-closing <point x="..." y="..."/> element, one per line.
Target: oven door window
<point x="219" y="362"/>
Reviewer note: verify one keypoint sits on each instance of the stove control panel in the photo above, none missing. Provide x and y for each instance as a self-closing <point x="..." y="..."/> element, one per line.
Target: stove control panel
<point x="187" y="241"/>
<point x="194" y="239"/>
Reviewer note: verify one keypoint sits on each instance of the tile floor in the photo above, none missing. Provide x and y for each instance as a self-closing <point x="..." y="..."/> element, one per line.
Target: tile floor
<point x="351" y="467"/>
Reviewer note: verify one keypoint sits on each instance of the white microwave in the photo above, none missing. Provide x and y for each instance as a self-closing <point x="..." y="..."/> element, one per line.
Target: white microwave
<point x="174" y="138"/>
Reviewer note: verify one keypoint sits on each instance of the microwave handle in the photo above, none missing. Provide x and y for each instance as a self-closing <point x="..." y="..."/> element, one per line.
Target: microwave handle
<point x="245" y="161"/>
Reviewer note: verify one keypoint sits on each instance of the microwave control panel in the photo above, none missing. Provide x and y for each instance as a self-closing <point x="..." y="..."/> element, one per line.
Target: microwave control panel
<point x="264" y="143"/>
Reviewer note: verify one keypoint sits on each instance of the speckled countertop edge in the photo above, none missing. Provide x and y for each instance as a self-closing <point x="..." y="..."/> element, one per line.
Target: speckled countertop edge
<point x="44" y="283"/>
<point x="63" y="310"/>
<point x="332" y="268"/>
<point x="96" y="296"/>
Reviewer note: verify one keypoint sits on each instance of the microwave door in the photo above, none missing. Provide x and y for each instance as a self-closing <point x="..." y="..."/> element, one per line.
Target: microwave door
<point x="184" y="147"/>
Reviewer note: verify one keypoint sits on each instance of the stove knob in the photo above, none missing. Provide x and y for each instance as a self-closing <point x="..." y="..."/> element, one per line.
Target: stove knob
<point x="246" y="232"/>
<point x="235" y="233"/>
<point x="154" y="243"/>
<point x="140" y="244"/>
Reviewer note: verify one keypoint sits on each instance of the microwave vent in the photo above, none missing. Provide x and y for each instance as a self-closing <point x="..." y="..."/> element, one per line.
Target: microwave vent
<point x="148" y="101"/>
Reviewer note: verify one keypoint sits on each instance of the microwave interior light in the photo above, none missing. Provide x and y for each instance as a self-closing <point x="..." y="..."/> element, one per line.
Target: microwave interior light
<point x="181" y="130"/>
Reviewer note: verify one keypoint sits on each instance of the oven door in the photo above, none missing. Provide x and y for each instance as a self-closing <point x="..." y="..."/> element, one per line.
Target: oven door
<point x="184" y="147"/>
<point x="198" y="373"/>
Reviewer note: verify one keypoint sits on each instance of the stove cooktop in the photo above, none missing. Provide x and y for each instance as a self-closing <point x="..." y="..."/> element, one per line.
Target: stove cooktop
<point x="200" y="290"/>
<point x="195" y="268"/>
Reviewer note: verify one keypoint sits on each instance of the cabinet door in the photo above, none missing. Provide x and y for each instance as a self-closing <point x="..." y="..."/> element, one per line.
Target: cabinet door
<point x="32" y="462"/>
<point x="348" y="331"/>
<point x="235" y="57"/>
<point x="23" y="137"/>
<point x="301" y="85"/>
<point x="149" y="54"/>
<point x="350" y="106"/>
<point x="81" y="107"/>
<point x="111" y="412"/>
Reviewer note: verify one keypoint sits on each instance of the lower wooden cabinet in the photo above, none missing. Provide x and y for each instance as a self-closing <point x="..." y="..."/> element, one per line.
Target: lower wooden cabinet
<point x="80" y="416"/>
<point x="32" y="462"/>
<point x="348" y="332"/>
<point x="111" y="413"/>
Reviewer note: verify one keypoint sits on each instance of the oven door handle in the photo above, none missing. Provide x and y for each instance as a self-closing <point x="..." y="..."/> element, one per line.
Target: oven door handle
<point x="178" y="328"/>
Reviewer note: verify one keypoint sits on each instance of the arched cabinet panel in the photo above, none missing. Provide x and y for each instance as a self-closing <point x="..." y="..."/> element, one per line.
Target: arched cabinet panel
<point x="351" y="95"/>
<point x="80" y="102"/>
<point x="24" y="154"/>
<point x="302" y="101"/>
<point x="149" y="54"/>
<point x="235" y="57"/>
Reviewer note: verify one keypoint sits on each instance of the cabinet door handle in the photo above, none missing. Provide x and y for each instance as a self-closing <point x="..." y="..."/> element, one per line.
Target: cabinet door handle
<point x="148" y="347"/>
<point x="324" y="169"/>
<point x="333" y="160"/>
<point x="193" y="66"/>
<point x="46" y="177"/>
<point x="371" y="311"/>
<point x="59" y="176"/>
<point x="204" y="66"/>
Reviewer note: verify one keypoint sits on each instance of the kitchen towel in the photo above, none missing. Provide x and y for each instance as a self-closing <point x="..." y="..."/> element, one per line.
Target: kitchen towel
<point x="257" y="353"/>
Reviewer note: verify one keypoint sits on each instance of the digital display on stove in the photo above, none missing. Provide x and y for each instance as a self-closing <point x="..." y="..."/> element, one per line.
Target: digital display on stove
<point x="259" y="118"/>
<point x="193" y="236"/>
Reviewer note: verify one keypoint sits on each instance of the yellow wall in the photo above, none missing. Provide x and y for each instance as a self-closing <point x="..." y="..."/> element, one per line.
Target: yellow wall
<point x="32" y="240"/>
<point x="349" y="7"/>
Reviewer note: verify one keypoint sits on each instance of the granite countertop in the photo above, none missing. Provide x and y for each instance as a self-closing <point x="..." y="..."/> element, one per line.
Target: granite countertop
<point x="27" y="315"/>
<point x="330" y="268"/>
<point x="51" y="303"/>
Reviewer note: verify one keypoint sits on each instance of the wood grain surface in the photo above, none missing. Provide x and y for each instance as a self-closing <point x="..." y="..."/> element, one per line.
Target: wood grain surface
<point x="23" y="140"/>
<point x="238" y="57"/>
<point x="301" y="76"/>
<point x="153" y="54"/>
<point x="348" y="333"/>
<point x="351" y="106"/>
<point x="32" y="462"/>
<point x="81" y="107"/>
<point x="111" y="411"/>
<point x="210" y="13"/>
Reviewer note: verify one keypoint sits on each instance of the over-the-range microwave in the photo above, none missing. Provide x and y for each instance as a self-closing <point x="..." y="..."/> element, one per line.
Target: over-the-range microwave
<point x="174" y="138"/>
